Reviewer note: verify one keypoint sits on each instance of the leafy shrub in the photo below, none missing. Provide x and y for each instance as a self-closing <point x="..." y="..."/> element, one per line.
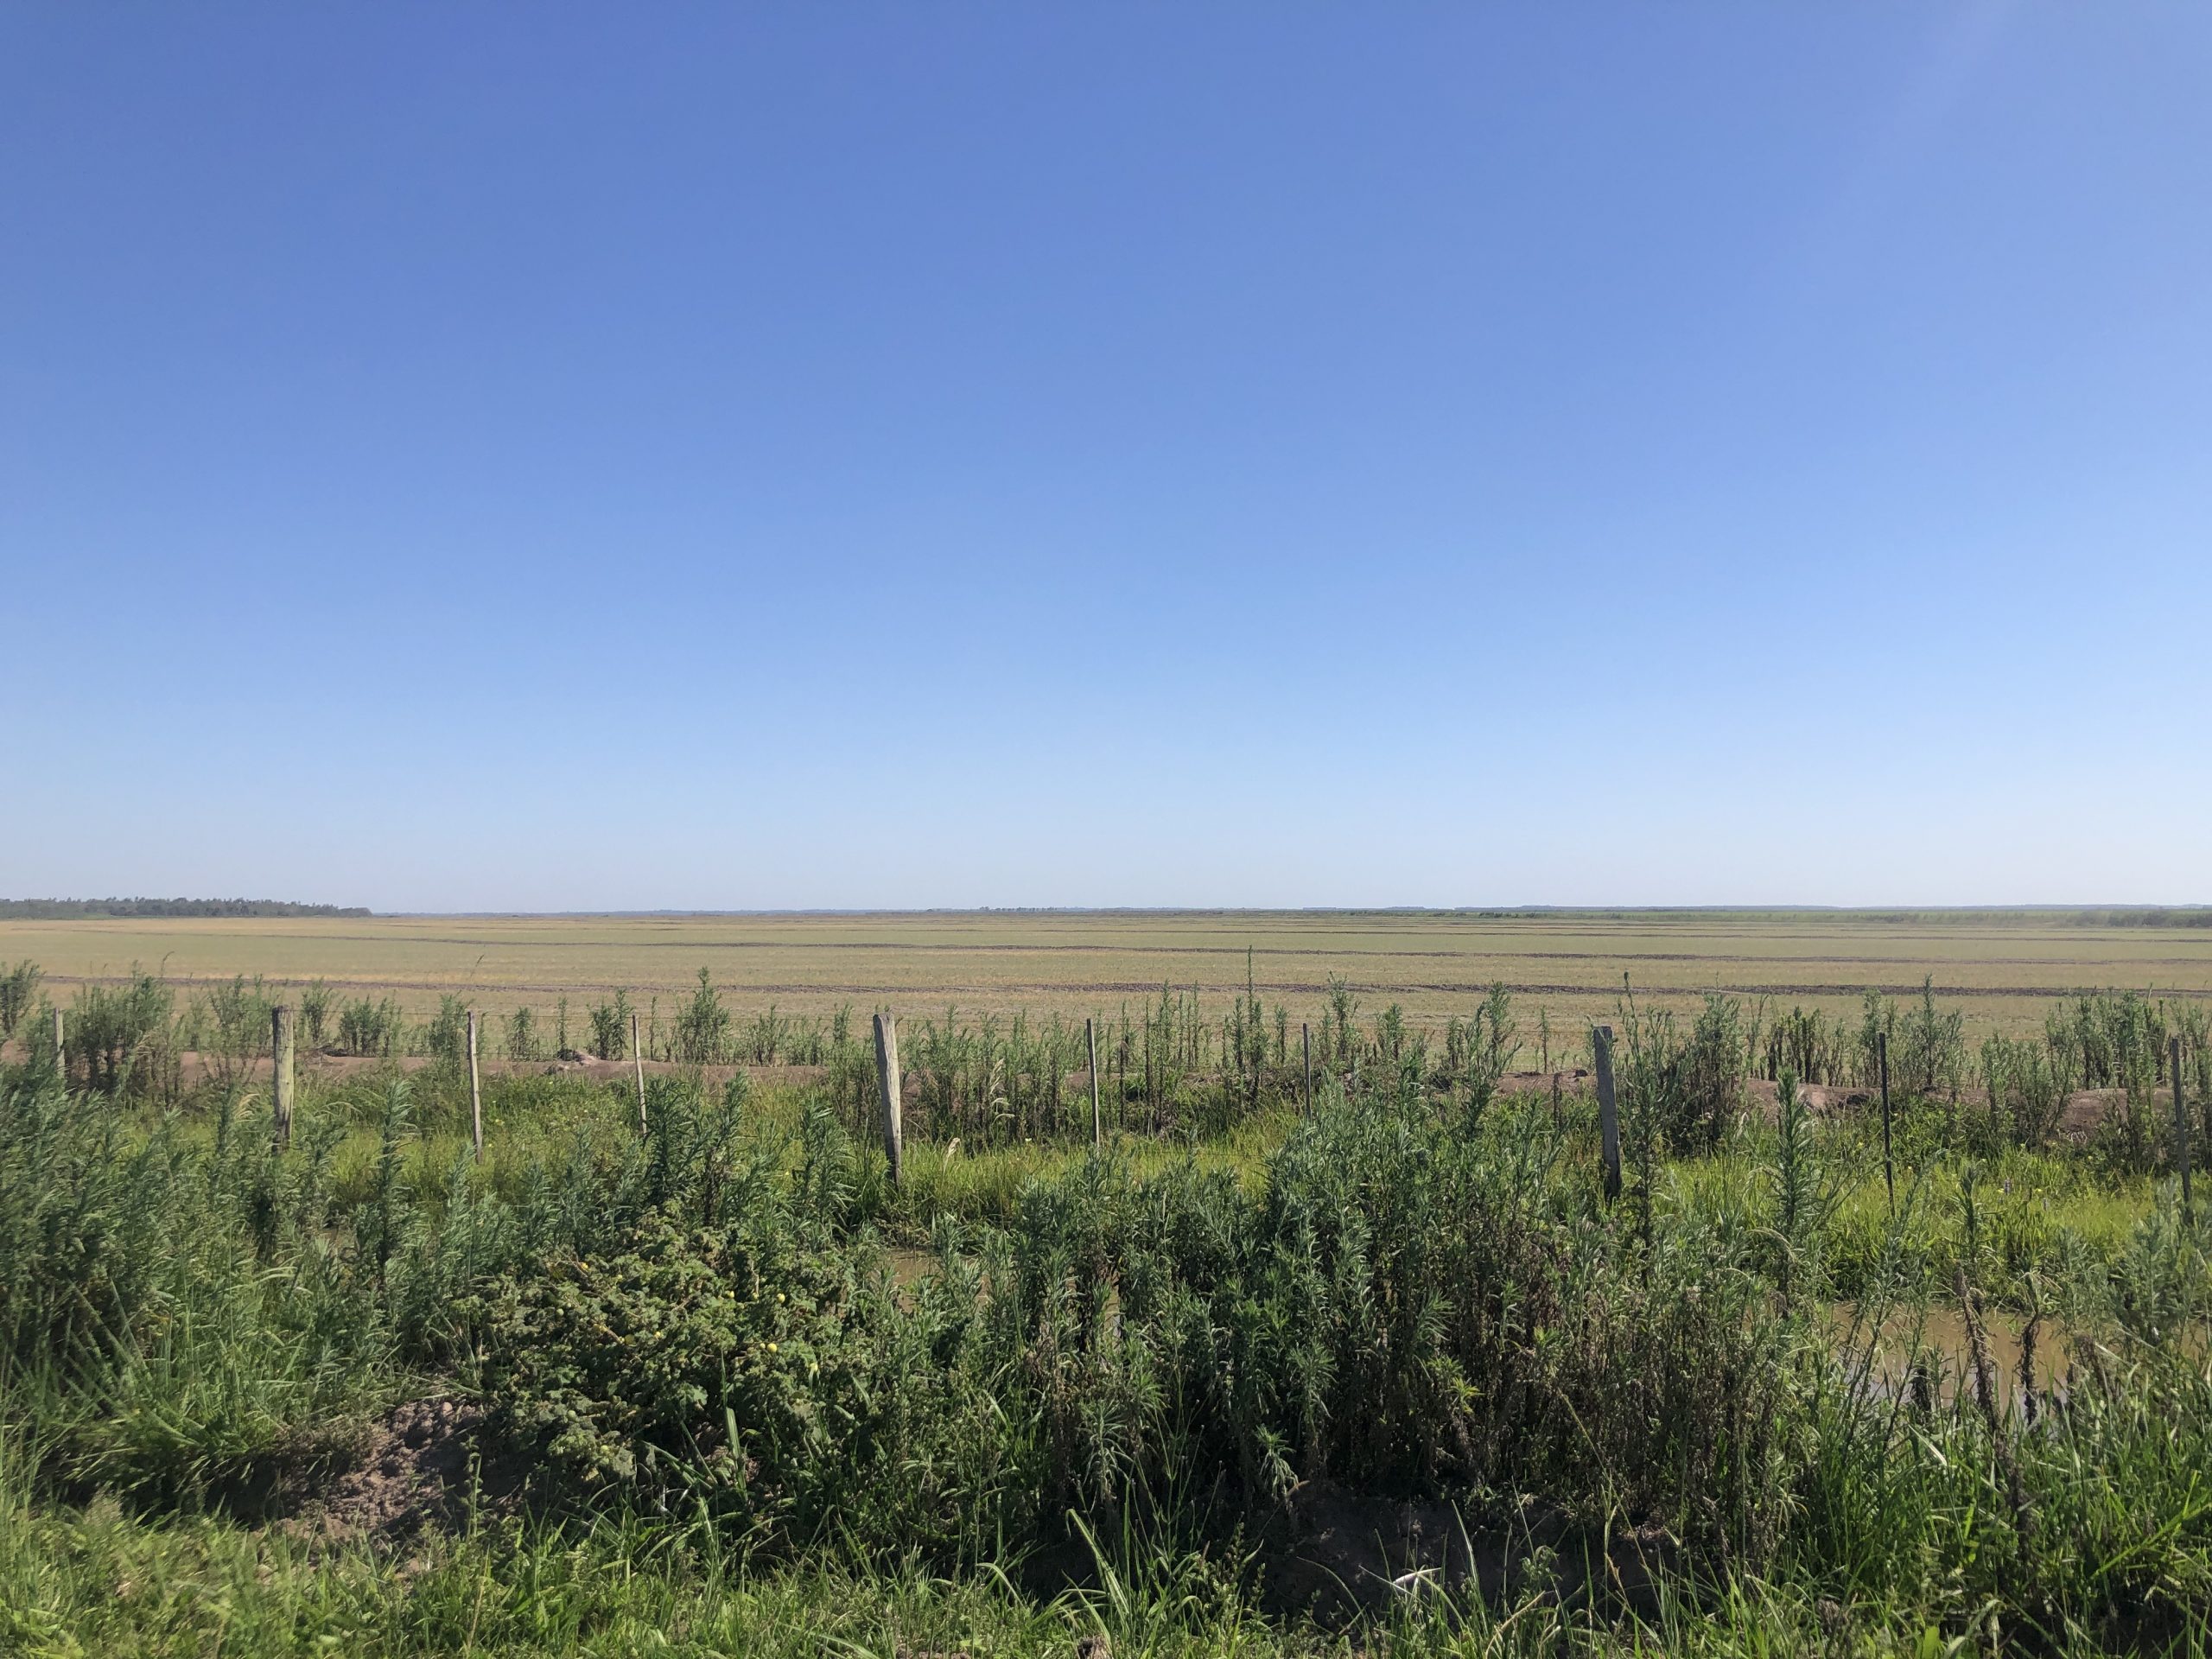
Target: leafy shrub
<point x="702" y="1025"/>
<point x="771" y="1377"/>
<point x="18" y="986"/>
<point x="369" y="1028"/>
<point x="446" y="1037"/>
<point x="317" y="1002"/>
<point x="117" y="1037"/>
<point x="234" y="1027"/>
<point x="1684" y="1095"/>
<point x="523" y="1042"/>
<point x="610" y="1029"/>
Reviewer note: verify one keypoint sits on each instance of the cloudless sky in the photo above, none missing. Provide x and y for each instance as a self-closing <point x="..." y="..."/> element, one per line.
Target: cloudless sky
<point x="580" y="456"/>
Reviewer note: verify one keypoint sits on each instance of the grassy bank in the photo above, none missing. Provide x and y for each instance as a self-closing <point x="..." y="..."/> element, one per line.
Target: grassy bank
<point x="1395" y="1375"/>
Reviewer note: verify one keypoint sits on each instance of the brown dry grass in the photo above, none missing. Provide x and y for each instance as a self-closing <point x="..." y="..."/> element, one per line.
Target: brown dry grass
<point x="2003" y="970"/>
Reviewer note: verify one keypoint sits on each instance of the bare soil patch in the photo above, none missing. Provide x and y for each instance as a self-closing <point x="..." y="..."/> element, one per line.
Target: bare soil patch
<point x="419" y="1469"/>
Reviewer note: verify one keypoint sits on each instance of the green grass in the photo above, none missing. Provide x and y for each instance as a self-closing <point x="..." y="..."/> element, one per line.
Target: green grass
<point x="96" y="1583"/>
<point x="743" y="1432"/>
<point x="2042" y="1220"/>
<point x="2047" y="1212"/>
<point x="987" y="1187"/>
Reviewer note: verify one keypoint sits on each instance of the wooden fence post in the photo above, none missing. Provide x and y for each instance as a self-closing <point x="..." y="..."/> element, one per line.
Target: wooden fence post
<point x="1097" y="1123"/>
<point x="1889" y="1161"/>
<point x="886" y="1063"/>
<point x="475" y="1093"/>
<point x="1305" y="1048"/>
<point x="283" y="1081"/>
<point x="61" y="1054"/>
<point x="1609" y="1117"/>
<point x="637" y="1061"/>
<point x="2181" y="1126"/>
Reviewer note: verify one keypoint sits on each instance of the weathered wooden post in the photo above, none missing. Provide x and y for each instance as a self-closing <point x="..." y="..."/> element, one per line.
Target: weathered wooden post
<point x="475" y="1093"/>
<point x="886" y="1063"/>
<point x="1097" y="1123"/>
<point x="2180" y="1126"/>
<point x="1609" y="1117"/>
<point x="1889" y="1161"/>
<point x="284" y="1085"/>
<point x="61" y="1054"/>
<point x="638" y="1060"/>
<point x="1305" y="1048"/>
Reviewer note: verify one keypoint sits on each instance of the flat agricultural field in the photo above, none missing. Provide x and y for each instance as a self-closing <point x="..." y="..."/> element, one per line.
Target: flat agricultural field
<point x="2002" y="968"/>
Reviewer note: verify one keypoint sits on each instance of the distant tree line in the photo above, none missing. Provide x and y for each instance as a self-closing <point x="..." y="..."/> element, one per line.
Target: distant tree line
<point x="2191" y="918"/>
<point x="43" y="910"/>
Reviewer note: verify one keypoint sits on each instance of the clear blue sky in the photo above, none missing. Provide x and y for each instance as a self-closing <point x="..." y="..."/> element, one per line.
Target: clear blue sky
<point x="457" y="457"/>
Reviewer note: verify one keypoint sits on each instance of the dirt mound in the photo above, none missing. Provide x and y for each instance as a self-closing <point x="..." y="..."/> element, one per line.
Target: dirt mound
<point x="1525" y="1082"/>
<point x="418" y="1470"/>
<point x="2086" y="1109"/>
<point x="1821" y="1099"/>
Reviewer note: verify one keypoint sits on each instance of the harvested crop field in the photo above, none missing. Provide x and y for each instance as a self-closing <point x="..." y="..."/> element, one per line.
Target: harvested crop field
<point x="2004" y="968"/>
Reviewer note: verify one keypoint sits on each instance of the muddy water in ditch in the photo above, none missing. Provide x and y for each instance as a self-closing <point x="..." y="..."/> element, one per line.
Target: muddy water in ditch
<point x="1943" y="1345"/>
<point x="909" y="1268"/>
<point x="1935" y="1341"/>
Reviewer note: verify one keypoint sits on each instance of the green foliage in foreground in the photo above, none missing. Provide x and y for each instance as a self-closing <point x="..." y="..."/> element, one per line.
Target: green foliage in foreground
<point x="97" y="1584"/>
<point x="744" y="1433"/>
